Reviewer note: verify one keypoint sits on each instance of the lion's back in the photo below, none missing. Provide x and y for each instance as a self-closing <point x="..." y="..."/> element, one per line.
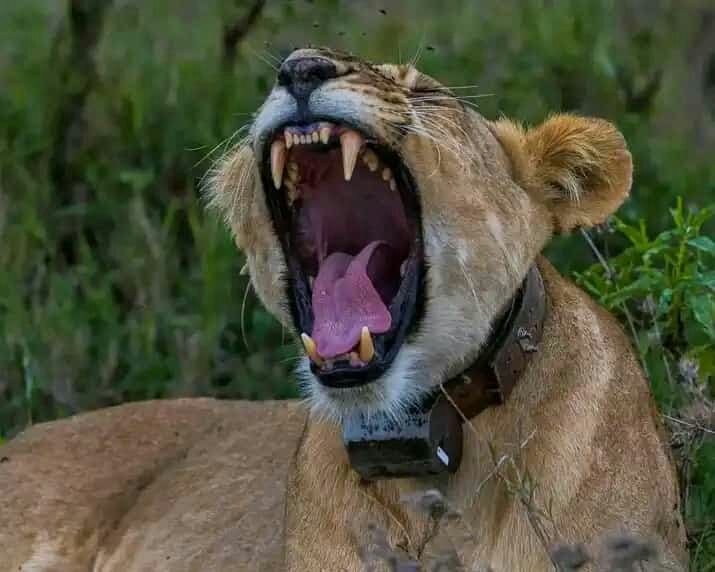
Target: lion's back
<point x="193" y="484"/>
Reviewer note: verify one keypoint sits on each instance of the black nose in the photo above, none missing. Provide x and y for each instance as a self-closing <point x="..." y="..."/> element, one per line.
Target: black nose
<point x="300" y="76"/>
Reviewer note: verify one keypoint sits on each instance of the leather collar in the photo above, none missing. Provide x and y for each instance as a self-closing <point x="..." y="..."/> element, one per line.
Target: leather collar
<point x="492" y="377"/>
<point x="428" y="439"/>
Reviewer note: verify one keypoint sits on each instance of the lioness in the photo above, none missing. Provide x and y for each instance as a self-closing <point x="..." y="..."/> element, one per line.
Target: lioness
<point x="390" y="226"/>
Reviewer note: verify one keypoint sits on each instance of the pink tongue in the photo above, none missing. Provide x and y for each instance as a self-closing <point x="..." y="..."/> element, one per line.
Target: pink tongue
<point x="345" y="300"/>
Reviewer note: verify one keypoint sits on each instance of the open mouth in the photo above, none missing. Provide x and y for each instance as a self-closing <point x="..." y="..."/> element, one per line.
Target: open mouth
<point x="347" y="215"/>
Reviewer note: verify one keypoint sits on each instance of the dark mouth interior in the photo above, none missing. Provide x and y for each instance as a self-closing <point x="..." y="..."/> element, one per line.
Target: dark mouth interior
<point x="353" y="246"/>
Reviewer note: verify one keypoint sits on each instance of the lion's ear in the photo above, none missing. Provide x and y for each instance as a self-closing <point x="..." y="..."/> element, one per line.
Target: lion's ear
<point x="580" y="167"/>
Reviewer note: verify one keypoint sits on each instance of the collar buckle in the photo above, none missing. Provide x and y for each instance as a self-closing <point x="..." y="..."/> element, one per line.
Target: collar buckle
<point x="428" y="439"/>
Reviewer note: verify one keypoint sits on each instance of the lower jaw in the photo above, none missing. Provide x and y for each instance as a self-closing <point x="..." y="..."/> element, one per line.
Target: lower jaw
<point x="337" y="404"/>
<point x="406" y="309"/>
<point x="392" y="393"/>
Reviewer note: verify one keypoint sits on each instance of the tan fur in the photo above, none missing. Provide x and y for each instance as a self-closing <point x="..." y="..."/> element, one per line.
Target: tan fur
<point x="209" y="486"/>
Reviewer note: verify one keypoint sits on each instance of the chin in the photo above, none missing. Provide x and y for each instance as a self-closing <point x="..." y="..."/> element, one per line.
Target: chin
<point x="394" y="393"/>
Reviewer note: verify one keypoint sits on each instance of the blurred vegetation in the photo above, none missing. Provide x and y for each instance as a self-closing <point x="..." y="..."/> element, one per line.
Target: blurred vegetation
<point x="115" y="285"/>
<point x="662" y="288"/>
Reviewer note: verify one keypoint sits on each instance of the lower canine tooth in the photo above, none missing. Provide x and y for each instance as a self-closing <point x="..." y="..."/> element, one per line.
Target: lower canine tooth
<point x="366" y="350"/>
<point x="311" y="349"/>
<point x="386" y="174"/>
<point x="293" y="171"/>
<point x="393" y="185"/>
<point x="278" y="161"/>
<point x="350" y="143"/>
<point x="292" y="191"/>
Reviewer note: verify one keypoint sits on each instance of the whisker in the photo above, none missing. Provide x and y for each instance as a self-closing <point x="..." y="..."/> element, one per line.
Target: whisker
<point x="418" y="54"/>
<point x="294" y="359"/>
<point x="225" y="143"/>
<point x="435" y="122"/>
<point x="261" y="57"/>
<point x="243" y="315"/>
<point x="439" y="96"/>
<point x="467" y="278"/>
<point x="452" y="98"/>
<point x="473" y="86"/>
<point x="278" y="60"/>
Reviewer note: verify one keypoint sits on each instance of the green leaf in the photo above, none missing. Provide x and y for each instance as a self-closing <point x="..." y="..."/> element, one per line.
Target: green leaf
<point x="703" y="243"/>
<point x="706" y="279"/>
<point x="703" y="310"/>
<point x="664" y="302"/>
<point x="638" y="289"/>
<point x="637" y="235"/>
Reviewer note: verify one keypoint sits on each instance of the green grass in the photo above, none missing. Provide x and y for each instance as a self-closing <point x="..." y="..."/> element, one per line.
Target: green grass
<point x="116" y="285"/>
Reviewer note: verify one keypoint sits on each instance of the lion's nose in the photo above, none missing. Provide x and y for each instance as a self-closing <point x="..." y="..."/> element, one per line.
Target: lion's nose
<point x="300" y="76"/>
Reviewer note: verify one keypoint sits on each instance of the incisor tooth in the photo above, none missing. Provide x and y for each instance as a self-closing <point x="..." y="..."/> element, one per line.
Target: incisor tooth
<point x="371" y="160"/>
<point x="303" y="139"/>
<point x="350" y="143"/>
<point x="311" y="349"/>
<point x="278" y="161"/>
<point x="366" y="350"/>
<point x="315" y="137"/>
<point x="393" y="185"/>
<point x="325" y="135"/>
<point x="386" y="174"/>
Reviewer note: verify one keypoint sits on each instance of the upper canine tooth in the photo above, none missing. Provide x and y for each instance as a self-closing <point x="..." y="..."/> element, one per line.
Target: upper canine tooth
<point x="350" y="142"/>
<point x="371" y="160"/>
<point x="325" y="135"/>
<point x="278" y="161"/>
<point x="366" y="350"/>
<point x="288" y="138"/>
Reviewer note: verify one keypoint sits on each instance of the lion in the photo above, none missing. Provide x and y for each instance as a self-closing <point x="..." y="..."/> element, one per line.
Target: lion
<point x="390" y="226"/>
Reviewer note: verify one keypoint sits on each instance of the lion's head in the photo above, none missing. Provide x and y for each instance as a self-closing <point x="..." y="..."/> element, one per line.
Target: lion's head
<point x="389" y="223"/>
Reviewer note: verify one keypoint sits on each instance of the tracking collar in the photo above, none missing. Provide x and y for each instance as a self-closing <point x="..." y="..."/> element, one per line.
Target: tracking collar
<point x="428" y="440"/>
